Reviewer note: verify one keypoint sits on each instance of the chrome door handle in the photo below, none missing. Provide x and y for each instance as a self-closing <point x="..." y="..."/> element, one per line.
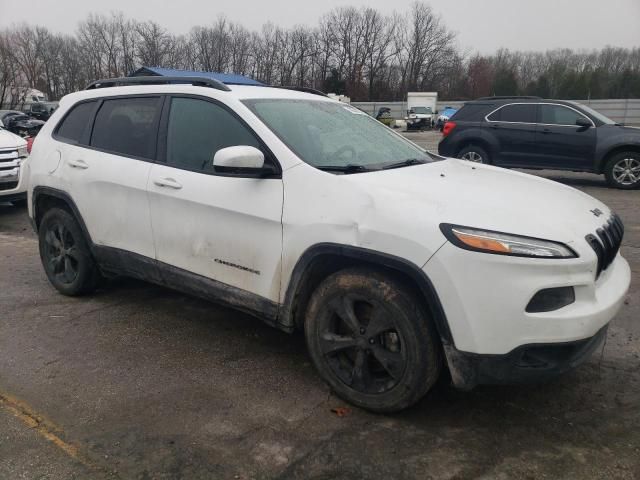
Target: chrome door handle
<point x="168" y="183"/>
<point x="81" y="164"/>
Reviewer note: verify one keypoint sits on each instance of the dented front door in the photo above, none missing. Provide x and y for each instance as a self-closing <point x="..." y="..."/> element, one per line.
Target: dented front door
<point x="224" y="227"/>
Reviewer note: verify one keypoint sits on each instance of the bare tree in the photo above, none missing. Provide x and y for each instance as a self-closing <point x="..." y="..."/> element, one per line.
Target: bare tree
<point x="10" y="70"/>
<point x="360" y="52"/>
<point x="154" y="45"/>
<point x="379" y="47"/>
<point x="28" y="45"/>
<point x="427" y="46"/>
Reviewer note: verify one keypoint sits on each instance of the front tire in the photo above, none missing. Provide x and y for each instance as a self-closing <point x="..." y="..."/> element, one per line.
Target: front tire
<point x="371" y="340"/>
<point x="623" y="171"/>
<point x="473" y="153"/>
<point x="65" y="254"/>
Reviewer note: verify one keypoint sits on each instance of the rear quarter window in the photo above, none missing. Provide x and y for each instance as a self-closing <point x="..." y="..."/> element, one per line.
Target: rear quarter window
<point x="74" y="124"/>
<point x="471" y="112"/>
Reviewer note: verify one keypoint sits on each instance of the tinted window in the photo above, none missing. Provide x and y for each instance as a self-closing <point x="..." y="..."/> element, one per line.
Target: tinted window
<point x="523" y="113"/>
<point x="197" y="129"/>
<point x="74" y="123"/>
<point x="472" y="112"/>
<point x="127" y="126"/>
<point x="558" y="115"/>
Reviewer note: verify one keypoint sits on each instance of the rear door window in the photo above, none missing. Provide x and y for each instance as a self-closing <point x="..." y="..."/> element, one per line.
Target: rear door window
<point x="127" y="126"/>
<point x="517" y="113"/>
<point x="76" y="122"/>
<point x="559" y="115"/>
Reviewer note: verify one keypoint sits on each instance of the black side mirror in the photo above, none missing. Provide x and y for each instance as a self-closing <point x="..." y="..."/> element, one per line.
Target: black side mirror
<point x="583" y="122"/>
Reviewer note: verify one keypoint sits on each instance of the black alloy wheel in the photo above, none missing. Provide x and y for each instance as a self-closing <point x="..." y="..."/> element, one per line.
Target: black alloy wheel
<point x="362" y="344"/>
<point x="65" y="255"/>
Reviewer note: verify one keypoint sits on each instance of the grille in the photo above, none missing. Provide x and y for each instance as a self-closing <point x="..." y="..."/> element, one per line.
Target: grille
<point x="8" y="185"/>
<point x="8" y="155"/>
<point x="606" y="242"/>
<point x="9" y="164"/>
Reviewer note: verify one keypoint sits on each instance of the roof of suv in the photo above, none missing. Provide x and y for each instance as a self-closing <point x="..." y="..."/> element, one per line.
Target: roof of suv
<point x="238" y="92"/>
<point x="515" y="99"/>
<point x="189" y="85"/>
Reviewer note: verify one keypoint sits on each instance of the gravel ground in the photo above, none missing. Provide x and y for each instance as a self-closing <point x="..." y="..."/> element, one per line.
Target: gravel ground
<point x="141" y="382"/>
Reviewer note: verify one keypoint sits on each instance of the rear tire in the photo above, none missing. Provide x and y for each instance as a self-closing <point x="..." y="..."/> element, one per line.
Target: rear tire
<point x="65" y="254"/>
<point x="371" y="340"/>
<point x="473" y="153"/>
<point x="623" y="170"/>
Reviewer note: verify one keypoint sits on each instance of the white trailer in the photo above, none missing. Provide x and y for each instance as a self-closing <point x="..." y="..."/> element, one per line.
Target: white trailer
<point x="421" y="110"/>
<point x="22" y="97"/>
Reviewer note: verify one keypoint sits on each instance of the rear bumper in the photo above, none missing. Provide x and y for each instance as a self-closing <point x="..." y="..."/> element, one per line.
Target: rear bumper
<point x="528" y="363"/>
<point x="446" y="148"/>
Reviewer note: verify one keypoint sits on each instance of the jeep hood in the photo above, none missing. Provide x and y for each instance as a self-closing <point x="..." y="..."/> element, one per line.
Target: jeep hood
<point x="482" y="196"/>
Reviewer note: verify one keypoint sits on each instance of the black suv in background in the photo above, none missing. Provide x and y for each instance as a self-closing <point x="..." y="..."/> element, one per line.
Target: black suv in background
<point x="529" y="132"/>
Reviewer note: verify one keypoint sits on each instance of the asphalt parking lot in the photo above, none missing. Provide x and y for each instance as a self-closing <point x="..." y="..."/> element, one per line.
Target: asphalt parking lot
<point x="141" y="382"/>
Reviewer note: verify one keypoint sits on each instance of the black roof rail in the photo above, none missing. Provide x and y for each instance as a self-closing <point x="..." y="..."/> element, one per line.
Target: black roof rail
<point x="313" y="91"/>
<point x="511" y="97"/>
<point x="158" y="80"/>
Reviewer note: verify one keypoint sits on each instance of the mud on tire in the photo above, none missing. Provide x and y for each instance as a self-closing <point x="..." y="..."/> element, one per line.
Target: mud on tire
<point x="372" y="340"/>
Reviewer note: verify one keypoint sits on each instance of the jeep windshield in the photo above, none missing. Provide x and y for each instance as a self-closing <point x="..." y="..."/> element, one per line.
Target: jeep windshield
<point x="422" y="110"/>
<point x="336" y="137"/>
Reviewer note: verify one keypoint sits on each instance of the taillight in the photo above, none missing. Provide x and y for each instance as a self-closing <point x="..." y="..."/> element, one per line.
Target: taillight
<point x="29" y="143"/>
<point x="448" y="128"/>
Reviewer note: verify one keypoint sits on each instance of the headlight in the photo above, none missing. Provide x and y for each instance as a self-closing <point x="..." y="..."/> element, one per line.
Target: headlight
<point x="499" y="243"/>
<point x="23" y="152"/>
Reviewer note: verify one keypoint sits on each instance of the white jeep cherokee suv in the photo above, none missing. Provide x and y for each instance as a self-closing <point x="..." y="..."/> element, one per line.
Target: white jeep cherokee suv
<point x="13" y="153"/>
<point x="311" y="215"/>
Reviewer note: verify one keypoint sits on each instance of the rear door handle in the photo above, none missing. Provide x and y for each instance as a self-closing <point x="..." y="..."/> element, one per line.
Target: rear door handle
<point x="546" y="131"/>
<point x="81" y="164"/>
<point x="168" y="183"/>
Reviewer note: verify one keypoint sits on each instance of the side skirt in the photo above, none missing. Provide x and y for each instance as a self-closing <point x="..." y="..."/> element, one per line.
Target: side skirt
<point x="121" y="262"/>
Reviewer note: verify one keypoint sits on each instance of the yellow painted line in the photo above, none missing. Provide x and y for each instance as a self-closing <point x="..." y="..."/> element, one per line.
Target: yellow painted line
<point x="43" y="427"/>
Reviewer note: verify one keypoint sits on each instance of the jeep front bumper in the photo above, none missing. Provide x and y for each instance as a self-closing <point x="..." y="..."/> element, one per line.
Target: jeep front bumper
<point x="528" y="363"/>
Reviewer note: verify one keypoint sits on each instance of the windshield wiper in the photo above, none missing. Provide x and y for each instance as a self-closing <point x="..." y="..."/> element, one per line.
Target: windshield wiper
<point x="350" y="168"/>
<point x="404" y="163"/>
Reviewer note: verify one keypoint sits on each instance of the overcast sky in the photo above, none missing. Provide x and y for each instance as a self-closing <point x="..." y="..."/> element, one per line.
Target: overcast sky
<point x="482" y="25"/>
